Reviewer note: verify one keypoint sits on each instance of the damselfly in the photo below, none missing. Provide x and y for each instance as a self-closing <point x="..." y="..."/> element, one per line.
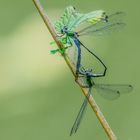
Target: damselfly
<point x="108" y="91"/>
<point x="97" y="23"/>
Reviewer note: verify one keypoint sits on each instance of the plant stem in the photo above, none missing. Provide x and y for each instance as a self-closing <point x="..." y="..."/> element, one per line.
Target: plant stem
<point x="91" y="100"/>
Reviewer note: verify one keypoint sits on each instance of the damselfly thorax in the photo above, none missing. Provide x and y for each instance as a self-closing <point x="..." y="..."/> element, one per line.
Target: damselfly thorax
<point x="65" y="31"/>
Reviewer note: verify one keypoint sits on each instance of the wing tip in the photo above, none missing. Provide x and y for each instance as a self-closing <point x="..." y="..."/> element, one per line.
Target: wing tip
<point x="131" y="87"/>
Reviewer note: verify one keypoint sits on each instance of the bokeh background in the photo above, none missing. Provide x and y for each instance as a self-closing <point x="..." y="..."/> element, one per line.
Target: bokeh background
<point x="38" y="96"/>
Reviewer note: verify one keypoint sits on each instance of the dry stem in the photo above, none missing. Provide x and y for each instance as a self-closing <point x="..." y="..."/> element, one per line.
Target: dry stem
<point x="91" y="100"/>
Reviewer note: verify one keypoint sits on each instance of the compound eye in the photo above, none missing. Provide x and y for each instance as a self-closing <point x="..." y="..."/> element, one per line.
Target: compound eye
<point x="86" y="71"/>
<point x="66" y="28"/>
<point x="62" y="31"/>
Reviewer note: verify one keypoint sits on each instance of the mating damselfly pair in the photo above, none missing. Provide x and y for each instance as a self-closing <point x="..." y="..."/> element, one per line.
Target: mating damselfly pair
<point x="95" y="23"/>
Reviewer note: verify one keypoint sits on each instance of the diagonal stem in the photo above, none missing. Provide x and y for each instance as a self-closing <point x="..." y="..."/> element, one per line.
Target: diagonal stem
<point x="91" y="100"/>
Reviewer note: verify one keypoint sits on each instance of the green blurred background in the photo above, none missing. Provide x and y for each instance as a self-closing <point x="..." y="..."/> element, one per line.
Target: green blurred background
<point x="39" y="98"/>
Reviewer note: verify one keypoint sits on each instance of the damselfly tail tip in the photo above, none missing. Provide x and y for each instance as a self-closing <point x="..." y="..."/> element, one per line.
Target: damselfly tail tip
<point x="71" y="132"/>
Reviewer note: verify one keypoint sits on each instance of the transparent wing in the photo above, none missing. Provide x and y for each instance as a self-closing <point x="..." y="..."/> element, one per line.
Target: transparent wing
<point x="67" y="18"/>
<point x="71" y="18"/>
<point x="111" y="23"/>
<point x="105" y="30"/>
<point x="112" y="91"/>
<point x="80" y="115"/>
<point x="94" y="15"/>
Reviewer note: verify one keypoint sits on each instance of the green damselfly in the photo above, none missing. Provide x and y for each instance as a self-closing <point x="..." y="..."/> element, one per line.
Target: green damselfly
<point x="108" y="91"/>
<point x="95" y="23"/>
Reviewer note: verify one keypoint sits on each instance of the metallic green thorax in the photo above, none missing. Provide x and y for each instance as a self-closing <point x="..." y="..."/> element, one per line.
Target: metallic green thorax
<point x="71" y="34"/>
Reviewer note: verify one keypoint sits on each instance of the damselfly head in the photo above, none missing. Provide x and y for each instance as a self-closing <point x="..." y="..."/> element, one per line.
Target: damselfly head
<point x="88" y="72"/>
<point x="77" y="34"/>
<point x="64" y="30"/>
